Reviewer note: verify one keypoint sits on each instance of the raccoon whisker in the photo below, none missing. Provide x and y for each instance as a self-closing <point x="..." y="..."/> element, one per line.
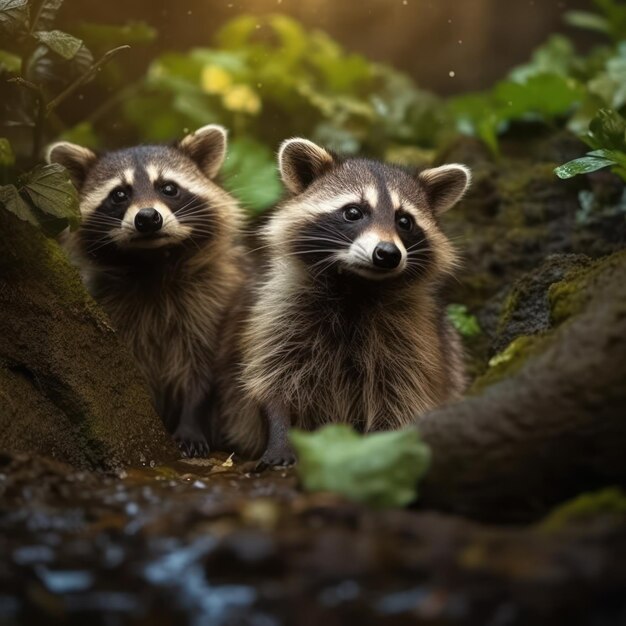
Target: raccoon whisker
<point x="106" y="221"/>
<point x="300" y="252"/>
<point x="327" y="229"/>
<point x="94" y="248"/>
<point x="325" y="264"/>
<point x="305" y="239"/>
<point x="418" y="243"/>
<point x="263" y="247"/>
<point x="197" y="221"/>
<point x="202" y="233"/>
<point x="189" y="208"/>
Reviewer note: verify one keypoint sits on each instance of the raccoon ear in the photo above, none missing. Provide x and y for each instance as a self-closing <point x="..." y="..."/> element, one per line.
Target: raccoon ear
<point x="445" y="185"/>
<point x="74" y="158"/>
<point x="207" y="148"/>
<point x="300" y="162"/>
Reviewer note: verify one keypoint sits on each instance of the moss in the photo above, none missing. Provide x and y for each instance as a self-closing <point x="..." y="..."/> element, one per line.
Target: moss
<point x="611" y="501"/>
<point x="76" y="392"/>
<point x="509" y="361"/>
<point x="570" y="295"/>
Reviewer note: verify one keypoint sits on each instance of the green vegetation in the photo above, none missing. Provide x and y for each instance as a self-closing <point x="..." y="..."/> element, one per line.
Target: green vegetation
<point x="463" y="321"/>
<point x="607" y="137"/>
<point x="379" y="469"/>
<point x="557" y="87"/>
<point x="38" y="55"/>
<point x="610" y="501"/>
<point x="267" y="78"/>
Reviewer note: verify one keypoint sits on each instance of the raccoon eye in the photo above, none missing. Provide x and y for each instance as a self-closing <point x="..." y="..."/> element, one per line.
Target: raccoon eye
<point x="352" y="213"/>
<point x="169" y="189"/>
<point x="405" y="222"/>
<point x="119" y="195"/>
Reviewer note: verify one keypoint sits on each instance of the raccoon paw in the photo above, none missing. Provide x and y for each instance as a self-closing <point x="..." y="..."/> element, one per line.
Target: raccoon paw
<point x="192" y="447"/>
<point x="281" y="457"/>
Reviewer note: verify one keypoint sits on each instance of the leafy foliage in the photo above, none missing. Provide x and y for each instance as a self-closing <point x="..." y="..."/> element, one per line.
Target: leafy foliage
<point x="607" y="135"/>
<point x="463" y="321"/>
<point x="611" y="19"/>
<point x="541" y="96"/>
<point x="42" y="68"/>
<point x="557" y="86"/>
<point x="43" y="197"/>
<point x="267" y="79"/>
<point x="379" y="469"/>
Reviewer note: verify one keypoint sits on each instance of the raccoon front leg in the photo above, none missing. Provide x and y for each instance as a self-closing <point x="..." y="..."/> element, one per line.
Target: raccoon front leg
<point x="278" y="450"/>
<point x="189" y="434"/>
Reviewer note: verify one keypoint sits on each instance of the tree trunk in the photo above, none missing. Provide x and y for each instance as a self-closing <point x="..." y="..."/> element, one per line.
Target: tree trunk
<point x="554" y="429"/>
<point x="68" y="388"/>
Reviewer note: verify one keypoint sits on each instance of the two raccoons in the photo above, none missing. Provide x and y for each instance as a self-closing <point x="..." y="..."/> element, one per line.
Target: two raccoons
<point x="344" y="325"/>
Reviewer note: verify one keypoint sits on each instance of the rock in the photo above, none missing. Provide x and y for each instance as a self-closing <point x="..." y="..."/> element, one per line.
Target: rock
<point x="527" y="309"/>
<point x="68" y="388"/>
<point x="551" y="423"/>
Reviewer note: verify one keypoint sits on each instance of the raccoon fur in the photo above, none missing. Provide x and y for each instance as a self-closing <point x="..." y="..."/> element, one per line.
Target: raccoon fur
<point x="348" y="324"/>
<point x="158" y="247"/>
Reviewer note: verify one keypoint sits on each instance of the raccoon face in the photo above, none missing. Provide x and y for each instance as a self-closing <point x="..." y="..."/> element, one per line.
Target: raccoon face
<point x="147" y="197"/>
<point x="367" y="218"/>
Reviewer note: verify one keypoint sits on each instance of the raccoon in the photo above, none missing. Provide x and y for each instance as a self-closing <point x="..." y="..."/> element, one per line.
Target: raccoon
<point x="348" y="324"/>
<point x="159" y="249"/>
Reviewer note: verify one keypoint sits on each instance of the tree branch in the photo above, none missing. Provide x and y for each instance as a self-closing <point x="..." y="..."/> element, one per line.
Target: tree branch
<point x="70" y="89"/>
<point x="550" y="432"/>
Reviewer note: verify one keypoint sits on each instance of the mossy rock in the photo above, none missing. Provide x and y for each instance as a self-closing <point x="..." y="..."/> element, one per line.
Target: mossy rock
<point x="570" y="295"/>
<point x="526" y="310"/>
<point x="69" y="388"/>
<point x="606" y="502"/>
<point x="539" y="303"/>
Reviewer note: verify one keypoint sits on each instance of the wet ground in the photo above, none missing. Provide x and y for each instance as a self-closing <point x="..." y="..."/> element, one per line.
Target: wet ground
<point x="206" y="543"/>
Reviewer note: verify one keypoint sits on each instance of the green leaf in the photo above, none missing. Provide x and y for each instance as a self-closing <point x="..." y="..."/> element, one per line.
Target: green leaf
<point x="46" y="14"/>
<point x="13" y="15"/>
<point x="50" y="190"/>
<point x="584" y="165"/>
<point x="588" y="21"/>
<point x="545" y="95"/>
<point x="236" y="33"/>
<point x="110" y="36"/>
<point x="608" y="130"/>
<point x="12" y="201"/>
<point x="64" y="44"/>
<point x="7" y="158"/>
<point x="82" y="61"/>
<point x="380" y="469"/>
<point x="463" y="321"/>
<point x="10" y="62"/>
<point x="556" y="56"/>
<point x="250" y="173"/>
<point x="610" y="85"/>
<point x="82" y="134"/>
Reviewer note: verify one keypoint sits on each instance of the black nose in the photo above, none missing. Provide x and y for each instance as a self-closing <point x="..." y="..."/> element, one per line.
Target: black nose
<point x="387" y="255"/>
<point x="148" y="221"/>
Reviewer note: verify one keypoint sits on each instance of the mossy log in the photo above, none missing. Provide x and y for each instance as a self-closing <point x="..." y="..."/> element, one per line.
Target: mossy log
<point x="553" y="428"/>
<point x="68" y="388"/>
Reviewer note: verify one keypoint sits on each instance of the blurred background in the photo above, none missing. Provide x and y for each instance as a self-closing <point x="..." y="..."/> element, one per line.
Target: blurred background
<point x="391" y="79"/>
<point x="476" y="40"/>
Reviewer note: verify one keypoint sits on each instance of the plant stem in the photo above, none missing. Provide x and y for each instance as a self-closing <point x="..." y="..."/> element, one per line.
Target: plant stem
<point x="72" y="87"/>
<point x="40" y="114"/>
<point x="36" y="17"/>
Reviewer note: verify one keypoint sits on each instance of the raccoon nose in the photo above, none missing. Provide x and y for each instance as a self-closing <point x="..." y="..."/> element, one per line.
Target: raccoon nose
<point x="148" y="221"/>
<point x="387" y="255"/>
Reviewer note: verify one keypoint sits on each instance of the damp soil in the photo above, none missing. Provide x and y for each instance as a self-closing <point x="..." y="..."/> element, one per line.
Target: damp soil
<point x="208" y="542"/>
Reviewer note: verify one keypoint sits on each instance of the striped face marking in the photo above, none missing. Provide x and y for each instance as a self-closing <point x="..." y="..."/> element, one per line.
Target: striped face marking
<point x="373" y="230"/>
<point x="144" y="205"/>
